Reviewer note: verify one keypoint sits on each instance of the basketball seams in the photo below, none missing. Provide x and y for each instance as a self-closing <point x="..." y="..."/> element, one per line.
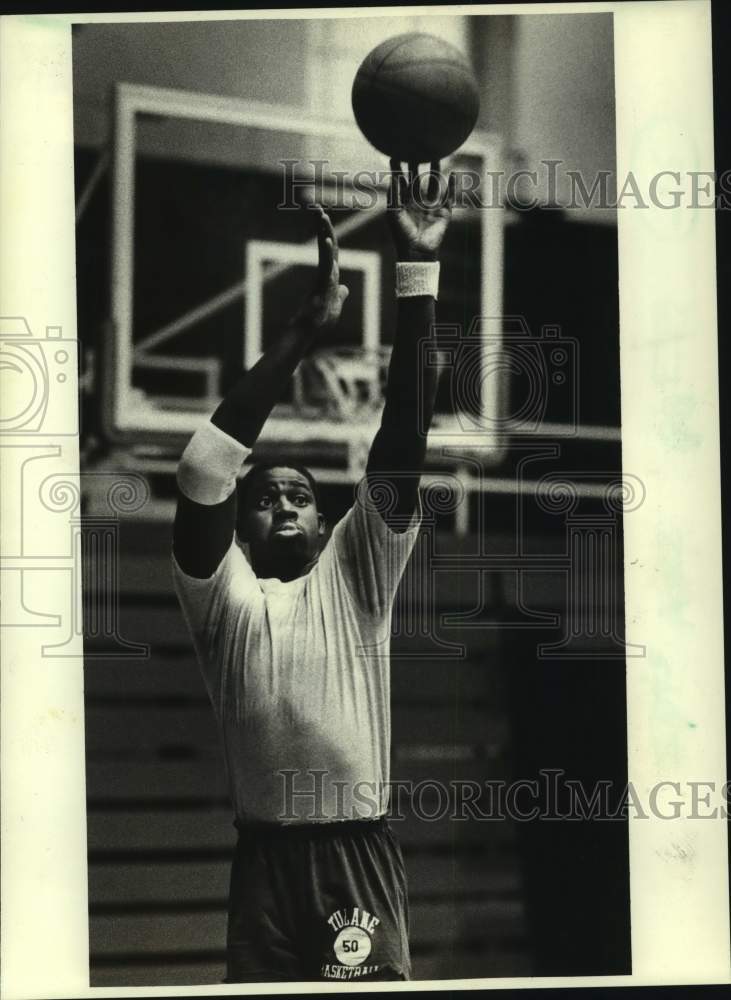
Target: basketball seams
<point x="427" y="65"/>
<point x="400" y="41"/>
<point x="402" y="91"/>
<point x="458" y="60"/>
<point x="455" y="56"/>
<point x="372" y="77"/>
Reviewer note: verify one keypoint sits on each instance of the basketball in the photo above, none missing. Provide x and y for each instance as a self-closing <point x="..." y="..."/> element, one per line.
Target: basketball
<point x="415" y="98"/>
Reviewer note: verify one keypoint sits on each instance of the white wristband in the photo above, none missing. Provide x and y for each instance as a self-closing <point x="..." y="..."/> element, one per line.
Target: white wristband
<point x="210" y="464"/>
<point x="417" y="278"/>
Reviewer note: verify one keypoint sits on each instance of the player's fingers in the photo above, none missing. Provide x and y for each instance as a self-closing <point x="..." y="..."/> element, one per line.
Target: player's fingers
<point x="328" y="227"/>
<point x="319" y="216"/>
<point x="414" y="179"/>
<point x="450" y="194"/>
<point x="433" y="188"/>
<point x="319" y="222"/>
<point x="402" y="186"/>
<point x="329" y="231"/>
<point x="405" y="190"/>
<point x="396" y="187"/>
<point x="321" y="248"/>
<point x="325" y="262"/>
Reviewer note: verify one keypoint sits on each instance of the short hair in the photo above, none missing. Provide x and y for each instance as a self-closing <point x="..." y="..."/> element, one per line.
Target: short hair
<point x="248" y="481"/>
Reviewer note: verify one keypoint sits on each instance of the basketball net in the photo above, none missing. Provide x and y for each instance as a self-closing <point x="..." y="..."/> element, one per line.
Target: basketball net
<point x="341" y="383"/>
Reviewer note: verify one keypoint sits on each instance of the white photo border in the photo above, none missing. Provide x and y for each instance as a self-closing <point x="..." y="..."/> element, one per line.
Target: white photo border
<point x="679" y="870"/>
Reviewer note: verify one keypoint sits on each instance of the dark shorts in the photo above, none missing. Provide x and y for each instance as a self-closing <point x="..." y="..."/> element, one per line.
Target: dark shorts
<point x="323" y="901"/>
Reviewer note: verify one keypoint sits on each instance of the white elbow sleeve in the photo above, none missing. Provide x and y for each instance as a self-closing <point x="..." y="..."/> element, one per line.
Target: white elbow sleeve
<point x="210" y="464"/>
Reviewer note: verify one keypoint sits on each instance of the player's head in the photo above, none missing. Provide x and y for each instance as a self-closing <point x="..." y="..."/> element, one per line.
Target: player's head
<point x="279" y="518"/>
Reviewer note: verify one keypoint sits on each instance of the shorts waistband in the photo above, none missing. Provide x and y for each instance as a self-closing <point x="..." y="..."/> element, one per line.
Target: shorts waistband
<point x="308" y="831"/>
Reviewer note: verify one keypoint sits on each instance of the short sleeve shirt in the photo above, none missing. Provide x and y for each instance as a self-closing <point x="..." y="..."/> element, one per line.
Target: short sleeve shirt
<point x="298" y="673"/>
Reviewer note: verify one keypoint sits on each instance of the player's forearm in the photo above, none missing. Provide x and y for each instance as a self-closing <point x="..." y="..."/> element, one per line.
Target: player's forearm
<point x="246" y="407"/>
<point x="244" y="411"/>
<point x="412" y="384"/>
<point x="418" y="219"/>
<point x="412" y="376"/>
<point x="399" y="448"/>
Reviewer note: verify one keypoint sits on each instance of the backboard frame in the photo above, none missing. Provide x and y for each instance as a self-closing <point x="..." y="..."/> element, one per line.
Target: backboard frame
<point x="130" y="414"/>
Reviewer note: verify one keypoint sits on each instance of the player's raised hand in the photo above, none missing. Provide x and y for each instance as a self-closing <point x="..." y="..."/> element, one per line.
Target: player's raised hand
<point x="419" y="214"/>
<point x="325" y="303"/>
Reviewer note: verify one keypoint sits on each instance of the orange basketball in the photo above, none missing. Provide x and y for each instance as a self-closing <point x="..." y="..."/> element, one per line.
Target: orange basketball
<point x="415" y="98"/>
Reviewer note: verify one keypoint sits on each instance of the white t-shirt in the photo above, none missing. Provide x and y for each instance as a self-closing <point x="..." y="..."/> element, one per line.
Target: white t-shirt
<point x="298" y="673"/>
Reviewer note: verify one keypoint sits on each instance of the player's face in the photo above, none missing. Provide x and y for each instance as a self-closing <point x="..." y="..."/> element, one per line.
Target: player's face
<point x="281" y="522"/>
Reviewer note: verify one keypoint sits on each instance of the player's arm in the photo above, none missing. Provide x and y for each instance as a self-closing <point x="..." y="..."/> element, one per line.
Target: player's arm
<point x="399" y="448"/>
<point x="205" y="517"/>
